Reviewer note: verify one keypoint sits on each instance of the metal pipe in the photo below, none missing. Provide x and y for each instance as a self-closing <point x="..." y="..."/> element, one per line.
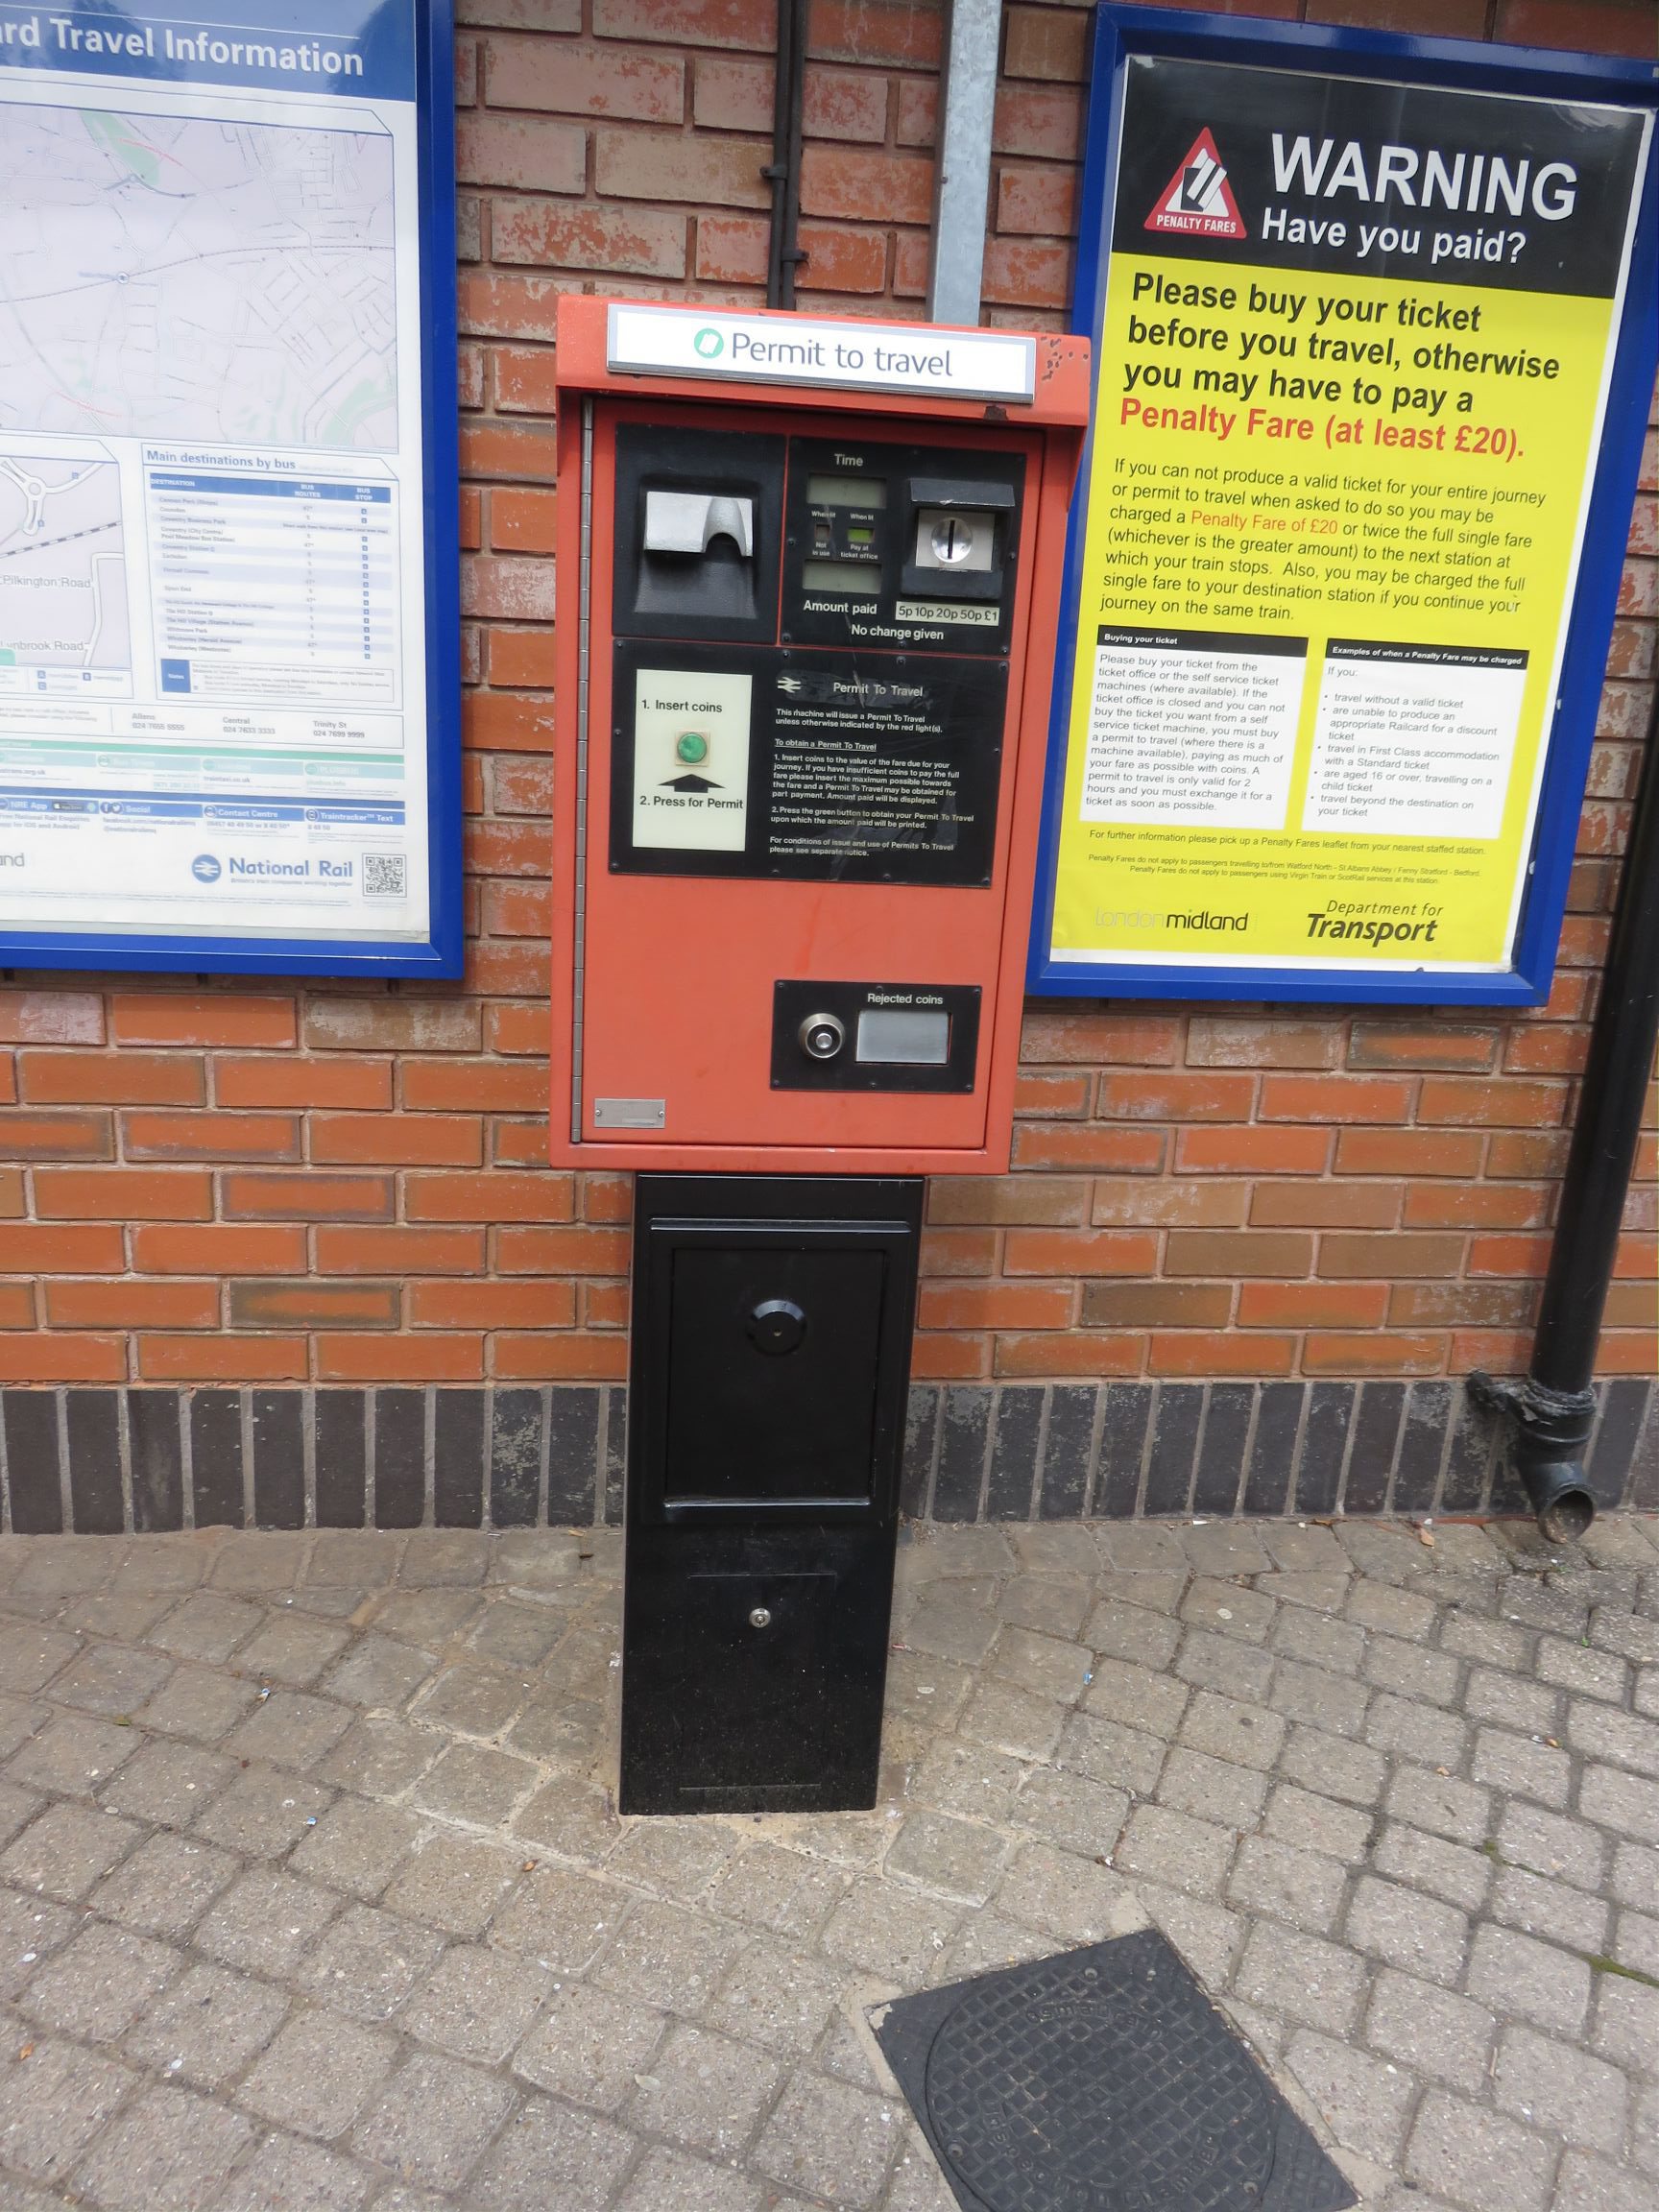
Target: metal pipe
<point x="962" y="176"/>
<point x="783" y="252"/>
<point x="1554" y="1409"/>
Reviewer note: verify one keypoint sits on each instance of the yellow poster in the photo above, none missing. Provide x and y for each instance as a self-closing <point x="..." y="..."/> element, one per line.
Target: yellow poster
<point x="1351" y="369"/>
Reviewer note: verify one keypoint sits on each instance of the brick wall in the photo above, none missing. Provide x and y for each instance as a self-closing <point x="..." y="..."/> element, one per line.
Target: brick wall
<point x="212" y="1181"/>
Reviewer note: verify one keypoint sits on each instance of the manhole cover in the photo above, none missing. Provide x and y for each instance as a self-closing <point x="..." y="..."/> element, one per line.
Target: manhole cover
<point x="1101" y="2081"/>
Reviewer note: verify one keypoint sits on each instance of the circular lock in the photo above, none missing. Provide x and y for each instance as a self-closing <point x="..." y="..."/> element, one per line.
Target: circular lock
<point x="952" y="541"/>
<point x="777" y="1326"/>
<point x="760" y="1618"/>
<point x="822" y="1036"/>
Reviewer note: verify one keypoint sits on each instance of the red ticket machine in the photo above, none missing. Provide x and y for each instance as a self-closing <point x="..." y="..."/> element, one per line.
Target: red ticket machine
<point x="808" y="586"/>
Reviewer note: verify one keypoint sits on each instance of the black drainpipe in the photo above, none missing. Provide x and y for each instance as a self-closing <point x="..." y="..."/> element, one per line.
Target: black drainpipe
<point x="784" y="172"/>
<point x="1554" y="1409"/>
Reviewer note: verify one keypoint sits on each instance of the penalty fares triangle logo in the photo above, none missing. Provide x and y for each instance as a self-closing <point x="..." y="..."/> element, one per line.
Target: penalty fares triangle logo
<point x="1199" y="200"/>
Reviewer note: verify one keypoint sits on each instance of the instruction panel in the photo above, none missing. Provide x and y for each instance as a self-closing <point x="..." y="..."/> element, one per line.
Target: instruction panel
<point x="1352" y="367"/>
<point x="213" y="618"/>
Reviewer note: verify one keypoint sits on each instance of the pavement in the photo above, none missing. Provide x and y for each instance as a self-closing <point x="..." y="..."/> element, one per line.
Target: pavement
<point x="312" y="1896"/>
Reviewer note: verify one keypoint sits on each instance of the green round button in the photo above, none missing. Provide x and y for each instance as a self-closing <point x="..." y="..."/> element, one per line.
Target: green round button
<point x="692" y="747"/>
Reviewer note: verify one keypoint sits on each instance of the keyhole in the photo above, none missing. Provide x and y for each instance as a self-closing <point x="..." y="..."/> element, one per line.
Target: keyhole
<point x="952" y="541"/>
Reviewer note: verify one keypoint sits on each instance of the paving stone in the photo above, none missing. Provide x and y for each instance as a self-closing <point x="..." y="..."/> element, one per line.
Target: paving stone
<point x="165" y="1887"/>
<point x="1212" y="1789"/>
<point x="1420" y="1935"/>
<point x="1532" y="1981"/>
<point x="1636" y="1943"/>
<point x="97" y="1988"/>
<point x="1225" y="1609"/>
<point x="1316" y="1640"/>
<point x="30" y="1930"/>
<point x="445" y="1557"/>
<point x="172" y="2149"/>
<point x="353" y="1558"/>
<point x="1052" y="1604"/>
<point x="1478" y="2158"/>
<point x="72" y="1755"/>
<point x="1208" y="1936"/>
<point x="1549" y="1844"/>
<point x="1070" y="1896"/>
<point x="1364" y="2102"/>
<point x="478" y="2001"/>
<point x="773" y="1997"/>
<point x="1302" y="1887"/>
<point x="1626" y="1803"/>
<point x="1634" y="1638"/>
<point x="1219" y="1662"/>
<point x="264" y="1812"/>
<point x="831" y="2139"/>
<point x="208" y="1627"/>
<point x="109" y="1679"/>
<point x="1045" y="1664"/>
<point x="590" y="2046"/>
<point x="1107" y="1752"/>
<point x="899" y="1934"/>
<point x="196" y="1702"/>
<point x="367" y="1962"/>
<point x="433" y="2120"/>
<point x="564" y="1920"/>
<point x="476" y="1783"/>
<point x="257" y="1559"/>
<point x="1636" y="1875"/>
<point x="356" y="1845"/>
<point x="206" y="2026"/>
<point x="1070" y="1810"/>
<point x="1550" y="1910"/>
<point x="166" y="1783"/>
<point x="1227" y="1729"/>
<point x="1390" y="1611"/>
<point x="68" y="1849"/>
<point x="1118" y="1630"/>
<point x="1445" y="2037"/>
<point x="1330" y="1766"/>
<point x="1171" y="1848"/>
<point x="264" y="1922"/>
<point x="285" y="2174"/>
<point x="1423" y="1734"/>
<point x="1518" y="1763"/>
<point x="290" y="1728"/>
<point x="952" y="1857"/>
<point x="1303" y="1977"/>
<point x="705" y="2092"/>
<point x="1645" y="1694"/>
<point x="1496" y="1695"/>
<point x="676" y="1857"/>
<point x="558" y="1730"/>
<point x="1007" y="1719"/>
<point x="662" y="1956"/>
<point x="548" y="2155"/>
<point x="1587" y="2184"/>
<point x="380" y="1756"/>
<point x="1582" y="1668"/>
<point x="1440" y="1803"/>
<point x="31" y="1655"/>
<point x="956" y="1622"/>
<point x="1410" y="1670"/>
<point x="927" y="1689"/>
<point x="1552" y="2087"/>
<point x="1493" y="1643"/>
<point x="783" y="1890"/>
<point x="1323" y="1700"/>
<point x="427" y="1618"/>
<point x="1140" y="1546"/>
<point x="317" y="2074"/>
<point x="52" y="2103"/>
<point x="378" y="1671"/>
<point x="453" y="1883"/>
<point x="1451" y="1871"/>
<point x="1148" y="1702"/>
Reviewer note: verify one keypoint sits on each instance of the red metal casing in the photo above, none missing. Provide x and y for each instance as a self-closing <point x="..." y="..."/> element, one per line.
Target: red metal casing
<point x="662" y="984"/>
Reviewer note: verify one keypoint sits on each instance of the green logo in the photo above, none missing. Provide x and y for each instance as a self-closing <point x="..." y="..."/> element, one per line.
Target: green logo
<point x="709" y="343"/>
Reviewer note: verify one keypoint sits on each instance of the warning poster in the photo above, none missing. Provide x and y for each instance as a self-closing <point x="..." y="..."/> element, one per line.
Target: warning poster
<point x="1353" y="359"/>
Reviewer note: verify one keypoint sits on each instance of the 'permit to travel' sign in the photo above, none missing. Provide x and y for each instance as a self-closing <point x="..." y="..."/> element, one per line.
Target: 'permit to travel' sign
<point x="797" y="349"/>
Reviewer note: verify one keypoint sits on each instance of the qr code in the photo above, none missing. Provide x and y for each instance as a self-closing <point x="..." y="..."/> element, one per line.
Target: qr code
<point x="384" y="876"/>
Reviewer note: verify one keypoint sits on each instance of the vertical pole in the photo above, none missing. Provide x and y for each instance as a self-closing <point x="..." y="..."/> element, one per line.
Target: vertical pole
<point x="962" y="187"/>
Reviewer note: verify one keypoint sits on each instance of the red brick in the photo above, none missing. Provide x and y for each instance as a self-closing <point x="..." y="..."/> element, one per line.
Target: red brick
<point x="1115" y="1152"/>
<point x="694" y="23"/>
<point x="37" y="1358"/>
<point x="399" y="1251"/>
<point x="222" y="1359"/>
<point x="1043" y="1096"/>
<point x="605" y="1305"/>
<point x="1388" y="1257"/>
<point x="1588" y="26"/>
<point x="397" y="1140"/>
<point x="392" y="1026"/>
<point x="944" y="1251"/>
<point x="1559" y="1049"/>
<point x="129" y="1305"/>
<point x="123" y="1195"/>
<point x="486" y="1086"/>
<point x="509" y="848"/>
<point x="1372" y="1352"/>
<point x="113" y="1078"/>
<point x="64" y="1135"/>
<point x="1313" y="1305"/>
<point x="520" y="15"/>
<point x="732" y="95"/>
<point x="16" y="1306"/>
<point x="307" y="1197"/>
<point x="847" y="104"/>
<point x="917" y="123"/>
<point x="995" y="1306"/>
<point x="557" y="1359"/>
<point x="519" y="154"/>
<point x="1427" y="18"/>
<point x="868" y="187"/>
<point x="524" y="379"/>
<point x="1406" y="1152"/>
<point x="488" y="1198"/>
<point x="1330" y="1099"/>
<point x="511" y="968"/>
<point x="1198" y="1353"/>
<point x="516" y="589"/>
<point x="216" y="1249"/>
<point x="522" y="520"/>
<point x="1028" y="273"/>
<point x="211" y="1136"/>
<point x="1107" y="1352"/>
<point x="1177" y="1098"/>
<point x="300" y="1083"/>
<point x="1620" y="1352"/>
<point x="605" y="1198"/>
<point x="51" y="1018"/>
<point x="620" y="241"/>
<point x="310" y="1304"/>
<point x="731" y="248"/>
<point x="1040" y="122"/>
<point x="1497" y="1104"/>
<point x="207" y="1018"/>
<point x="579" y="80"/>
<point x="954" y="1358"/>
<point x="564" y="1251"/>
<point x="516" y="910"/>
<point x="39" y="1248"/>
<point x="1037" y="202"/>
<point x="1476" y="1206"/>
<point x="1183" y="1204"/>
<point x="1238" y="1041"/>
<point x="518" y="451"/>
<point x="1252" y="1151"/>
<point x="1079" y="1252"/>
<point x="1638" y="1258"/>
<point x="1046" y="42"/>
<point x="519" y="1029"/>
<point x="1325" y="1204"/>
<point x="529" y="1303"/>
<point x="705" y="171"/>
<point x="1100" y="1039"/>
<point x="1467" y="1305"/>
<point x="1156" y="1305"/>
<point x="12" y="1193"/>
<point x="493" y="305"/>
<point x="374" y="1357"/>
<point x="1427" y="1045"/>
<point x="1629" y="1306"/>
<point x="1532" y="1154"/>
<point x="875" y="30"/>
<point x="843" y="260"/>
<point x="1029" y="1200"/>
<point x="1231" y="1254"/>
<point x="525" y="657"/>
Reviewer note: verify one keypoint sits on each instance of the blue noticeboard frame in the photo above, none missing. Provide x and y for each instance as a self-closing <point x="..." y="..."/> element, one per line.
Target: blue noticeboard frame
<point x="1121" y="33"/>
<point x="400" y="43"/>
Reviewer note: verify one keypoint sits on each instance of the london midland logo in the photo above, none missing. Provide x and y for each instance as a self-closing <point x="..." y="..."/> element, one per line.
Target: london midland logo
<point x="1199" y="200"/>
<point x="708" y="343"/>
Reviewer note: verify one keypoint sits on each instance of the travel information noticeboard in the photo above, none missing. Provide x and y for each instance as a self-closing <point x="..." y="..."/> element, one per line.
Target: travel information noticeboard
<point x="228" y="651"/>
<point x="1375" y="337"/>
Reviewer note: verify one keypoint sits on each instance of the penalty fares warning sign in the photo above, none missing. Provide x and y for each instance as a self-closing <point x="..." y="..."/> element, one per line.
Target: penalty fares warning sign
<point x="1373" y="351"/>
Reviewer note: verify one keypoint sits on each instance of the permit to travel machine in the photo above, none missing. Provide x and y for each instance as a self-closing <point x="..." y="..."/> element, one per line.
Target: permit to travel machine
<point x="809" y="579"/>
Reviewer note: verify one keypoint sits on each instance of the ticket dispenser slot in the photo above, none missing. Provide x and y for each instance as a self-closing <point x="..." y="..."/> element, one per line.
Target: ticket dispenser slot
<point x="697" y="523"/>
<point x="768" y="1377"/>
